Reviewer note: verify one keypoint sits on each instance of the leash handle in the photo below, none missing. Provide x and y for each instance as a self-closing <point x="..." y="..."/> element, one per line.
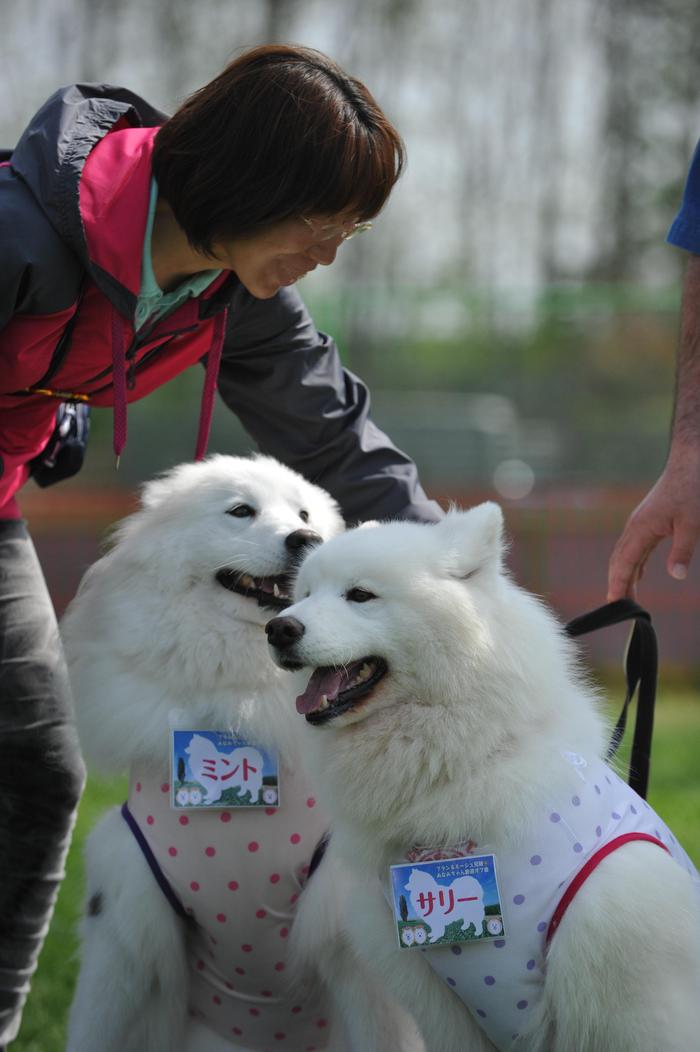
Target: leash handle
<point x="641" y="671"/>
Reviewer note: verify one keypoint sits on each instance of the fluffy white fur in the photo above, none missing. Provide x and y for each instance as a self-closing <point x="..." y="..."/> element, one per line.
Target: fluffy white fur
<point x="151" y="631"/>
<point x="457" y="742"/>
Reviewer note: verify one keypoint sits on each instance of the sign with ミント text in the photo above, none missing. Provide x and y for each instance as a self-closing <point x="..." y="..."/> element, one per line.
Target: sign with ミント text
<point x="216" y="769"/>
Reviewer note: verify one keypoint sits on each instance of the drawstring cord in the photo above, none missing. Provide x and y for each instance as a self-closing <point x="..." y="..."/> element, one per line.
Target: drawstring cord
<point x="208" y="392"/>
<point x="119" y="380"/>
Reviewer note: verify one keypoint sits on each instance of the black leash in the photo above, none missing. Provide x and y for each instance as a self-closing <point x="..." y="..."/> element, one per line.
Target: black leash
<point x="641" y="668"/>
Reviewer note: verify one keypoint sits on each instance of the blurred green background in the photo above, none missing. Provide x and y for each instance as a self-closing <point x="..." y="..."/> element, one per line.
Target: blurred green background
<point x="514" y="310"/>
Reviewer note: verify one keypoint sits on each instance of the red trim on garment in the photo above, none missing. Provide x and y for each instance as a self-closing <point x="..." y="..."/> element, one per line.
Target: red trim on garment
<point x="586" y="870"/>
<point x="32" y="338"/>
<point x="209" y="391"/>
<point x="10" y="510"/>
<point x="115" y="192"/>
<point x="114" y="197"/>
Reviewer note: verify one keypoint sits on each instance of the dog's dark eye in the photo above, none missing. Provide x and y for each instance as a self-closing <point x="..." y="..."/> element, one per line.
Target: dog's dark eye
<point x="304" y="516"/>
<point x="242" y="511"/>
<point x="359" y="595"/>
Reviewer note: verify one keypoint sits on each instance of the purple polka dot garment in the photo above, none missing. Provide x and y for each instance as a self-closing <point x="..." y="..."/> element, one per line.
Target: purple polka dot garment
<point x="500" y="981"/>
<point x="239" y="873"/>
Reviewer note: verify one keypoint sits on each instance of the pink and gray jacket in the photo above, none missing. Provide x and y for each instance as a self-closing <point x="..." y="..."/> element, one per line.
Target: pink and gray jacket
<point x="73" y="208"/>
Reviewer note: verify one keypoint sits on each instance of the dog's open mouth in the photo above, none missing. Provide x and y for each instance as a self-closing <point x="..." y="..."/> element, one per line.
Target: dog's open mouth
<point x="332" y="691"/>
<point x="272" y="592"/>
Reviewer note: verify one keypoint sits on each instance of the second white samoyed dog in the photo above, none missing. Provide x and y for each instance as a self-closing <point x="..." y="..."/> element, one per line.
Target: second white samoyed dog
<point x="186" y="933"/>
<point x="446" y="721"/>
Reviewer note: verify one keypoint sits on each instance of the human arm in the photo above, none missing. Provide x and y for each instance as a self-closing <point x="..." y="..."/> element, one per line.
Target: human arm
<point x="285" y="382"/>
<point x="672" y="506"/>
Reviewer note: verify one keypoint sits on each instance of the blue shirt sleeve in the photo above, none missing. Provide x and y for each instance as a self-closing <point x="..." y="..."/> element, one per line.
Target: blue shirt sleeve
<point x="685" y="228"/>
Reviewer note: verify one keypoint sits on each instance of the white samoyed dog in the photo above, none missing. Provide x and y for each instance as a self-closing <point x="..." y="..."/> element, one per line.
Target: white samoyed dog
<point x="447" y="719"/>
<point x="190" y="902"/>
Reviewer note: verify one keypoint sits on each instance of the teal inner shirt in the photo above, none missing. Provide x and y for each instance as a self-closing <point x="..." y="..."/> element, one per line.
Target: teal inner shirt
<point x="152" y="302"/>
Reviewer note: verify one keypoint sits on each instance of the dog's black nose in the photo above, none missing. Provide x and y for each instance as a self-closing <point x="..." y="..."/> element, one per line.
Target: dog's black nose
<point x="283" y="632"/>
<point x="301" y="539"/>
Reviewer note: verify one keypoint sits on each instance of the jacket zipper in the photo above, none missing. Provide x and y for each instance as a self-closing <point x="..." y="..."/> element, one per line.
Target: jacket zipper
<point x="63" y="345"/>
<point x="64" y="341"/>
<point x="133" y="364"/>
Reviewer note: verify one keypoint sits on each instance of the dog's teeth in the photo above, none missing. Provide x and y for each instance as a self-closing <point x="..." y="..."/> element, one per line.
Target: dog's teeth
<point x="360" y="677"/>
<point x="276" y="591"/>
<point x="247" y="581"/>
<point x="324" y="702"/>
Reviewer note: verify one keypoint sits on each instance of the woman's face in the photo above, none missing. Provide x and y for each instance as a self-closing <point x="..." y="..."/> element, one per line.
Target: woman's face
<point x="279" y="255"/>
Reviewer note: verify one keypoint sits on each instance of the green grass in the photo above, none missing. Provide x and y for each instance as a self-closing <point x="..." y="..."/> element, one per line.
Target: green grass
<point x="674" y="789"/>
<point x="674" y="793"/>
<point x="46" y="1011"/>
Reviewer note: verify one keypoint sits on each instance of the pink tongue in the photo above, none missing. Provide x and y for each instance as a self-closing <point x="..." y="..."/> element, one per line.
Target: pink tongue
<point x="323" y="681"/>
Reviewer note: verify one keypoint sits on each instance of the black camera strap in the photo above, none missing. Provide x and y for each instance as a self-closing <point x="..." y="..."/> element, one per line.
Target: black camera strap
<point x="641" y="669"/>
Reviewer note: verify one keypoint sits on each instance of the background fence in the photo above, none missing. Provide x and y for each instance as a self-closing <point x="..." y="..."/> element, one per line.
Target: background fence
<point x="560" y="543"/>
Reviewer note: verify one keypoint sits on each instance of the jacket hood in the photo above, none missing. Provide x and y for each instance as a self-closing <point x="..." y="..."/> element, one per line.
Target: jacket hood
<point x="86" y="158"/>
<point x="51" y="154"/>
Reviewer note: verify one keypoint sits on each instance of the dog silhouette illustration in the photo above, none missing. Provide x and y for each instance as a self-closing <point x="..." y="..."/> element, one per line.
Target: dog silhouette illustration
<point x="439" y="905"/>
<point x="217" y="771"/>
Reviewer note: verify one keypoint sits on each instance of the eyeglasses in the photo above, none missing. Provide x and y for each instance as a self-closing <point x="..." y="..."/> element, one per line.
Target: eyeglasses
<point x="331" y="233"/>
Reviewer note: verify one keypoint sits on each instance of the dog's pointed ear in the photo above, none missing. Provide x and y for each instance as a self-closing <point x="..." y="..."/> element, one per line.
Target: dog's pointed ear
<point x="473" y="539"/>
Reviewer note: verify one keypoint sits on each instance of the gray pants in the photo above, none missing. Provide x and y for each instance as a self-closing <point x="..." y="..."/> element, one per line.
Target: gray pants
<point x="41" y="771"/>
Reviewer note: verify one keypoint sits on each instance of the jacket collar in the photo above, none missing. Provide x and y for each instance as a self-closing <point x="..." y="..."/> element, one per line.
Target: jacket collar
<point x="114" y="194"/>
<point x="86" y="157"/>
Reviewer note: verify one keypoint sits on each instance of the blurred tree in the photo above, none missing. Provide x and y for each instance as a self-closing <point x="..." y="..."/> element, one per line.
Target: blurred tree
<point x="652" y="118"/>
<point x="548" y="144"/>
<point x="277" y="19"/>
<point x="93" y="17"/>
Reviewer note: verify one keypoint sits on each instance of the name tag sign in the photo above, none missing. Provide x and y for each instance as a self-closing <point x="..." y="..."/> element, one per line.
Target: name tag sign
<point x="217" y="770"/>
<point x="447" y="901"/>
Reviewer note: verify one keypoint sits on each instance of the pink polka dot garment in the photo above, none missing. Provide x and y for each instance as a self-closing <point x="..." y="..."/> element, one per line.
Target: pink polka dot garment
<point x="239" y="873"/>
<point x="502" y="980"/>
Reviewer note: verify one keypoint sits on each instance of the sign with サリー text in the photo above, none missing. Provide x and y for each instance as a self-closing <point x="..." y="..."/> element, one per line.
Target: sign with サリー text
<point x="446" y="901"/>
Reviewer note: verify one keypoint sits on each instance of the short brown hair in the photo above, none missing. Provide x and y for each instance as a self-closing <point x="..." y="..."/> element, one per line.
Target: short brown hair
<point x="281" y="132"/>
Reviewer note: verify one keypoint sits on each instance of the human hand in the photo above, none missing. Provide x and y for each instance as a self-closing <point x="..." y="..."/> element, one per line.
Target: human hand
<point x="670" y="509"/>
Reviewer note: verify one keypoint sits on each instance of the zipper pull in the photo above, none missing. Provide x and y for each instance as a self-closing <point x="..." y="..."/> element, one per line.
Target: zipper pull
<point x="131" y="374"/>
